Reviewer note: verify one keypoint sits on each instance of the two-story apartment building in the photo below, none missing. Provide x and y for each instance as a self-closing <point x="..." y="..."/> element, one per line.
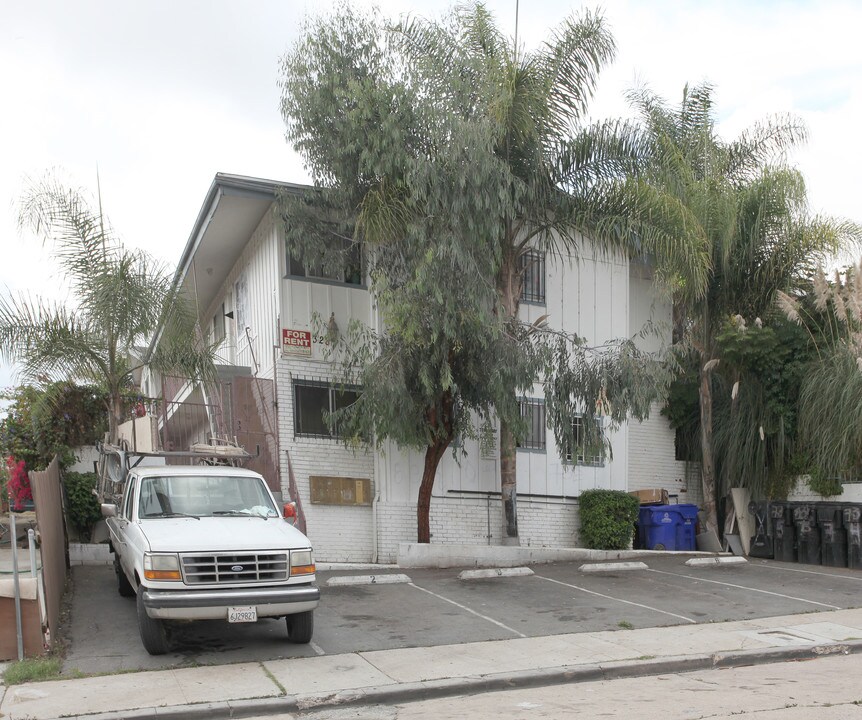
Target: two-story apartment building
<point x="358" y="505"/>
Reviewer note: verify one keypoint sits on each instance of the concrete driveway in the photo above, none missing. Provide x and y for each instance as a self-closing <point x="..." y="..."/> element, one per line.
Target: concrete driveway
<point x="436" y="607"/>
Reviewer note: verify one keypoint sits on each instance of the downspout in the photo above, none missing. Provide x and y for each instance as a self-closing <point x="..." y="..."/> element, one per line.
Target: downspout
<point x="375" y="543"/>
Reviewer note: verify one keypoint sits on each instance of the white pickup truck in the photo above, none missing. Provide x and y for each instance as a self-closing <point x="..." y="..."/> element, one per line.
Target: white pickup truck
<point x="204" y="543"/>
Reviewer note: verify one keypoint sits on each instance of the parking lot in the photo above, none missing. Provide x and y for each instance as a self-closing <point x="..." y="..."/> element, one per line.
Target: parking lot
<point x="436" y="607"/>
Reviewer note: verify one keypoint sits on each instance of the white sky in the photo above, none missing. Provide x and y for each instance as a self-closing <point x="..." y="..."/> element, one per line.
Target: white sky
<point x="159" y="96"/>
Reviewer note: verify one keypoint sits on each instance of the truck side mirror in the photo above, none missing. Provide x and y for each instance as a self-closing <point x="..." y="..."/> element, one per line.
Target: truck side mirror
<point x="290" y="512"/>
<point x="109" y="510"/>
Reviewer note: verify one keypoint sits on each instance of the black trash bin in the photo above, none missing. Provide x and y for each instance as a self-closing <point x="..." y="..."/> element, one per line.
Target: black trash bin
<point x="852" y="522"/>
<point x="783" y="532"/>
<point x="833" y="537"/>
<point x="761" y="541"/>
<point x="807" y="534"/>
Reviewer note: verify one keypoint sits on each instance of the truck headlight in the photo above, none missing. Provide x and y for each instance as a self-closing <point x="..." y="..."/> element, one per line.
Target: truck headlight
<point x="161" y="567"/>
<point x="301" y="562"/>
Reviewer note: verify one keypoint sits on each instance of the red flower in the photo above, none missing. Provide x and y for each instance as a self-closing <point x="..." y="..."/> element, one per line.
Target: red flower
<point x="18" y="486"/>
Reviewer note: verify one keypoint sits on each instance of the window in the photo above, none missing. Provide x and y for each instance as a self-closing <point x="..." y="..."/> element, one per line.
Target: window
<point x="312" y="400"/>
<point x="533" y="411"/>
<point x="588" y="451"/>
<point x="218" y="325"/>
<point x="532" y="266"/>
<point x="350" y="273"/>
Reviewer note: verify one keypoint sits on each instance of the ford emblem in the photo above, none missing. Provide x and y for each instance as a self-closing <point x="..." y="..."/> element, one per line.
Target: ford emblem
<point x="236" y="568"/>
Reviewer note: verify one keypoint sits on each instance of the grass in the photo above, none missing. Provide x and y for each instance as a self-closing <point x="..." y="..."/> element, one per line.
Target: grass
<point x="32" y="670"/>
<point x="625" y="625"/>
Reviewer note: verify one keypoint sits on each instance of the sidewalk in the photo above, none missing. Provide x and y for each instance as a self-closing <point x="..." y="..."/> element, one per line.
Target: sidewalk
<point x="408" y="674"/>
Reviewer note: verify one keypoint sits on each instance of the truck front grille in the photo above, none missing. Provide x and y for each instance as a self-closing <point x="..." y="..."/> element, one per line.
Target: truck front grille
<point x="224" y="568"/>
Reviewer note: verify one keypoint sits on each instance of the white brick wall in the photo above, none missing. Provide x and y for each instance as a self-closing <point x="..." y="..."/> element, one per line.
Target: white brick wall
<point x="459" y="521"/>
<point x="338" y="533"/>
<point x="652" y="462"/>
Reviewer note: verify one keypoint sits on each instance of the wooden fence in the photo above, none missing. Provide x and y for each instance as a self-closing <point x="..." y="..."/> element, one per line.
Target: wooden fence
<point x="47" y="496"/>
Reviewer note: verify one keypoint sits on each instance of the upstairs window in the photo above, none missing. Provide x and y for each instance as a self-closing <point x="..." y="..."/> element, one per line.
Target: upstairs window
<point x="587" y="451"/>
<point x="219" y="325"/>
<point x="312" y="400"/>
<point x="533" y="411"/>
<point x="532" y="267"/>
<point x="350" y="273"/>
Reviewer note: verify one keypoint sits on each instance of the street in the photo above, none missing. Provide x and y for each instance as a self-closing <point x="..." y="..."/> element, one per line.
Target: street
<point x="821" y="689"/>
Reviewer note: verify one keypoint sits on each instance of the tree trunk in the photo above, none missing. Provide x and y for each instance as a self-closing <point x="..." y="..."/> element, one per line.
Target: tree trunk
<point x="433" y="454"/>
<point x="115" y="417"/>
<point x="707" y="466"/>
<point x="508" y="484"/>
<point x="510" y="296"/>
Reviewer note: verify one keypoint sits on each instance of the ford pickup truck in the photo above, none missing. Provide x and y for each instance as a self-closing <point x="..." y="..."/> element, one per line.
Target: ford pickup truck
<point x="208" y="542"/>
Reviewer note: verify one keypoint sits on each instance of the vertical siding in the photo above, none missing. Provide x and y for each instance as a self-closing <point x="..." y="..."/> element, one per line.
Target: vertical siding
<point x="259" y="268"/>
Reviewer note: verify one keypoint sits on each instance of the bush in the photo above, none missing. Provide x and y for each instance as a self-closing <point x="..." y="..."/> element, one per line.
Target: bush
<point x="81" y="504"/>
<point x="608" y="519"/>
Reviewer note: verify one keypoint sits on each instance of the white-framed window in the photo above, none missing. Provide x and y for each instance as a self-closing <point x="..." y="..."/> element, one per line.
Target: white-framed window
<point x="587" y="451"/>
<point x="533" y="411"/>
<point x="312" y="399"/>
<point x="219" y="325"/>
<point x="349" y="274"/>
<point x="532" y="267"/>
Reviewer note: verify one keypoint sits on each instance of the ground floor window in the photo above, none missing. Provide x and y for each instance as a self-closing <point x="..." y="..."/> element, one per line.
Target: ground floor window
<point x="313" y="400"/>
<point x="589" y="447"/>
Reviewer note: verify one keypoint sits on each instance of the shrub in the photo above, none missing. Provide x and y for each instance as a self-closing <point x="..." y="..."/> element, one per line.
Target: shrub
<point x="81" y="504"/>
<point x="608" y="519"/>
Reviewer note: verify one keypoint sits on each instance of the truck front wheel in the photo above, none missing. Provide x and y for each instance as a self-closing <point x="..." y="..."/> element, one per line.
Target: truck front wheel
<point x="152" y="630"/>
<point x="300" y="627"/>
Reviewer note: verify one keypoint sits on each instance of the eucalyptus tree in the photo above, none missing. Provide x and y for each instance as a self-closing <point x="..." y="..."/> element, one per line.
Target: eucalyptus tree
<point x="119" y="298"/>
<point x="449" y="156"/>
<point x="752" y="207"/>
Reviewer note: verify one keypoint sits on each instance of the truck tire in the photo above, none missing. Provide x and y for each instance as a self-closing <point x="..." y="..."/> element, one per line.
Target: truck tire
<point x="124" y="587"/>
<point x="300" y="627"/>
<point x="152" y="631"/>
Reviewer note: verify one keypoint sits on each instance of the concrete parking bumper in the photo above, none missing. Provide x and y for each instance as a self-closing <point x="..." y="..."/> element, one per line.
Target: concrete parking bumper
<point x="409" y="674"/>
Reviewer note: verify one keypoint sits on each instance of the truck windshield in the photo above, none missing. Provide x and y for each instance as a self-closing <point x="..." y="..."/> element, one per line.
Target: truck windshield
<point x="203" y="496"/>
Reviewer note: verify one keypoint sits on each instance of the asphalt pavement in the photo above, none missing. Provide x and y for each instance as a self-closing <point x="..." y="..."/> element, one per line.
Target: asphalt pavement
<point x="435" y="634"/>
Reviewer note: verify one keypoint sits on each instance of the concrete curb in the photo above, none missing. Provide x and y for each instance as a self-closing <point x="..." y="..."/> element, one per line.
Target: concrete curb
<point x="720" y="560"/>
<point x="613" y="567"/>
<point x="390" y="579"/>
<point x="433" y="689"/>
<point x="494" y="573"/>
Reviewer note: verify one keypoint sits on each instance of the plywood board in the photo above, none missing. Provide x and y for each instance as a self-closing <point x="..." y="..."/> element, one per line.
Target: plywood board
<point x="744" y="519"/>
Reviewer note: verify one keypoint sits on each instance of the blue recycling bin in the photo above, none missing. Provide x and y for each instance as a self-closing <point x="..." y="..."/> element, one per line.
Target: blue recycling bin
<point x="668" y="527"/>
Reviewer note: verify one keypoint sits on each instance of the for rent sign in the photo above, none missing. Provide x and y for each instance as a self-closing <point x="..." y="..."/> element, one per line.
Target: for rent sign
<point x="296" y="342"/>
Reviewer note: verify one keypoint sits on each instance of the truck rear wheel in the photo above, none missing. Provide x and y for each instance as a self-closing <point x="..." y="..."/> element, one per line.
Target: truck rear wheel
<point x="152" y="630"/>
<point x="300" y="627"/>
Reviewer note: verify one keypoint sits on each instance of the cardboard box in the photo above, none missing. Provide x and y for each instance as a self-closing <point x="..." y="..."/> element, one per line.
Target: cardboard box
<point x="651" y="497"/>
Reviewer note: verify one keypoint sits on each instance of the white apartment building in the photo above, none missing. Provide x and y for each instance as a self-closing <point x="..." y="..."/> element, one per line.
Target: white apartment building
<point x="358" y="505"/>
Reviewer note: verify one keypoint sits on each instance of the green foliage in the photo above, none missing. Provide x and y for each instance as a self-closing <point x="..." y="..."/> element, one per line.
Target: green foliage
<point x="120" y="298"/>
<point x="32" y="670"/>
<point x="608" y="519"/>
<point x="41" y="423"/>
<point x="824" y="485"/>
<point x="82" y="506"/>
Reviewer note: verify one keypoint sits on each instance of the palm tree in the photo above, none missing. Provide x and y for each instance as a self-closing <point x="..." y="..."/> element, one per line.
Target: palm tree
<point x="121" y="297"/>
<point x="752" y="208"/>
<point x="569" y="180"/>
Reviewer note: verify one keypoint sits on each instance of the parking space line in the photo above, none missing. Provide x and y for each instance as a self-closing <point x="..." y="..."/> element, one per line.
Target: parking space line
<point x="314" y="646"/>
<point x="812" y="572"/>
<point x="610" y="597"/>
<point x="745" y="587"/>
<point x="469" y="610"/>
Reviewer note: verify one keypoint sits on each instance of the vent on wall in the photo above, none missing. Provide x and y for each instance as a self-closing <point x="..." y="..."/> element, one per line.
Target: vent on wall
<point x="340" y="490"/>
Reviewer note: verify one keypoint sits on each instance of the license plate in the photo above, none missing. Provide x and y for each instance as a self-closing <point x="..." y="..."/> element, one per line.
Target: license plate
<point x="242" y="614"/>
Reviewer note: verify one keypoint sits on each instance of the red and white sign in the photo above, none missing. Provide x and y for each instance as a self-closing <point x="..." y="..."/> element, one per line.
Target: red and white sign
<point x="296" y="342"/>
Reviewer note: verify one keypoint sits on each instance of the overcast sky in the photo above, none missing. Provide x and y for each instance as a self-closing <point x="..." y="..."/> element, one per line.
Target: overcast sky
<point x="159" y="96"/>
